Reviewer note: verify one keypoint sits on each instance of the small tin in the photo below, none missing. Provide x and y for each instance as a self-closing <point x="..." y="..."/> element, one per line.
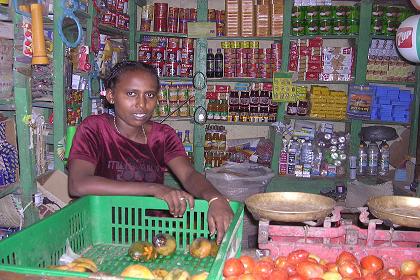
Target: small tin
<point x="339" y="12"/>
<point x="298" y="27"/>
<point x="312" y="27"/>
<point x="339" y="26"/>
<point x="378" y="10"/>
<point x="298" y="12"/>
<point x="325" y="12"/>
<point x="376" y="26"/>
<point x="325" y="27"/>
<point x="312" y="13"/>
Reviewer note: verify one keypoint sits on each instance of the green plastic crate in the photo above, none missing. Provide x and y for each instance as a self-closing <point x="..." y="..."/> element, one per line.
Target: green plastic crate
<point x="103" y="227"/>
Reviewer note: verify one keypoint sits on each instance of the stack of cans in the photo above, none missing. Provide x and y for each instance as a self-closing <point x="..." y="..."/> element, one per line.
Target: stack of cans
<point x="173" y="95"/>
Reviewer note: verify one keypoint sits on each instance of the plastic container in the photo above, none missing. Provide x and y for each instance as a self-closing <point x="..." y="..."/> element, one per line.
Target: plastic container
<point x="103" y="227"/>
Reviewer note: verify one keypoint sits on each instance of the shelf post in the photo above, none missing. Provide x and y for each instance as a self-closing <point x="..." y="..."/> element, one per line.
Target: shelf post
<point x="58" y="87"/>
<point x="132" y="44"/>
<point x="87" y="102"/>
<point x="200" y="94"/>
<point x="414" y="130"/>
<point x="287" y="18"/>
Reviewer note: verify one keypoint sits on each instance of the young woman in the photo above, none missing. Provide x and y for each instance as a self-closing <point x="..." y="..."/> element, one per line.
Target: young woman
<point x="126" y="154"/>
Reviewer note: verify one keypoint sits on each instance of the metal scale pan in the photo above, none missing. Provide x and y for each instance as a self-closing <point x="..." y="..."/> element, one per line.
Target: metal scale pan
<point x="289" y="206"/>
<point x="400" y="210"/>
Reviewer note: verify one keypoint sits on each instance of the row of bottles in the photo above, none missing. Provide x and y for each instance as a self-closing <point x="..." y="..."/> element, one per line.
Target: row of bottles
<point x="373" y="160"/>
<point x="214" y="66"/>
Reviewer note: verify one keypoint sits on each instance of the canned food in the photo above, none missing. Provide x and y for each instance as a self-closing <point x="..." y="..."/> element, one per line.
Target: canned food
<point x="378" y="10"/>
<point x="145" y="52"/>
<point x="298" y="12"/>
<point x="173" y="25"/>
<point x="183" y="26"/>
<point x="312" y="12"/>
<point x="173" y="108"/>
<point x="163" y="110"/>
<point x="173" y="94"/>
<point x="325" y="27"/>
<point x="254" y="44"/>
<point x="211" y="15"/>
<point x="183" y="94"/>
<point x="159" y="66"/>
<point x="160" y="24"/>
<point x="339" y="26"/>
<point x="339" y="12"/>
<point x="390" y="27"/>
<point x="172" y="69"/>
<point x="146" y="25"/>
<point x="173" y="54"/>
<point x="187" y="43"/>
<point x="220" y="28"/>
<point x="325" y="12"/>
<point x="173" y="42"/>
<point x="245" y="44"/>
<point x="352" y="27"/>
<point x="235" y="45"/>
<point x="187" y="55"/>
<point x="184" y="111"/>
<point x="163" y="94"/>
<point x="298" y="27"/>
<point x="353" y="12"/>
<point x="376" y="26"/>
<point x="392" y="12"/>
<point x="186" y="70"/>
<point x="225" y="45"/>
<point x="158" y="53"/>
<point x="312" y="27"/>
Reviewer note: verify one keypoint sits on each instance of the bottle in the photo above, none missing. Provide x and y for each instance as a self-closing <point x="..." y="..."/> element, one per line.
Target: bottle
<point x="383" y="158"/>
<point x="187" y="143"/>
<point x="218" y="64"/>
<point x="362" y="159"/>
<point x="244" y="106"/>
<point x="179" y="133"/>
<point x="283" y="158"/>
<point x="373" y="154"/>
<point x="234" y="101"/>
<point x="210" y="64"/>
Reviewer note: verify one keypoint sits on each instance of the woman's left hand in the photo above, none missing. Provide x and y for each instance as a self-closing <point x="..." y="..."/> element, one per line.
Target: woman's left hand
<point x="219" y="217"/>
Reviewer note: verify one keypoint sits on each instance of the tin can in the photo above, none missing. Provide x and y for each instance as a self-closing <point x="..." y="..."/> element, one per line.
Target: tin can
<point x="163" y="94"/>
<point x="160" y="10"/>
<point x="225" y="45"/>
<point x="298" y="27"/>
<point x="390" y="27"/>
<point x="183" y="26"/>
<point x="173" y="106"/>
<point x="339" y="12"/>
<point x="339" y="26"/>
<point x="254" y="44"/>
<point x="220" y="28"/>
<point x="184" y="111"/>
<point x="325" y="27"/>
<point x="352" y="27"/>
<point x="145" y="52"/>
<point x="235" y="44"/>
<point x="173" y="25"/>
<point x="146" y="25"/>
<point x="187" y="43"/>
<point x="392" y="12"/>
<point x="325" y="12"/>
<point x="378" y="10"/>
<point x="298" y="12"/>
<point x="353" y="12"/>
<point x="173" y="94"/>
<point x="187" y="55"/>
<point x="246" y="44"/>
<point x="211" y="15"/>
<point x="158" y="53"/>
<point x="312" y="13"/>
<point x="173" y="42"/>
<point x="183" y="94"/>
<point x="160" y="24"/>
<point x="186" y="70"/>
<point x="376" y="26"/>
<point x="173" y="12"/>
<point x="172" y="69"/>
<point x="159" y="66"/>
<point x="173" y="54"/>
<point x="163" y="110"/>
<point x="312" y="27"/>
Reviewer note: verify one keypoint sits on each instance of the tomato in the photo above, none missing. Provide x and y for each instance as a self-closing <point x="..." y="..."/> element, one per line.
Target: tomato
<point x="331" y="267"/>
<point x="394" y="271"/>
<point x="329" y="275"/>
<point x="296" y="277"/>
<point x="268" y="259"/>
<point x="278" y="274"/>
<point x="409" y="267"/>
<point x="346" y="256"/>
<point x="372" y="263"/>
<point x="297" y="256"/>
<point x="233" y="267"/>
<point x="246" y="276"/>
<point x="314" y="257"/>
<point x="384" y="275"/>
<point x="263" y="268"/>
<point x="248" y="262"/>
<point x="349" y="269"/>
<point x="308" y="270"/>
<point x="280" y="262"/>
<point x="370" y="276"/>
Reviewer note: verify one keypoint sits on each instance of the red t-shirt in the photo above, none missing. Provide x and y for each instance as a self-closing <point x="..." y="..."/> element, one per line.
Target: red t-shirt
<point x="119" y="158"/>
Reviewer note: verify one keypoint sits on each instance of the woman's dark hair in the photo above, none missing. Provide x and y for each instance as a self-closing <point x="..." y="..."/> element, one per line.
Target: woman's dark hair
<point x="125" y="66"/>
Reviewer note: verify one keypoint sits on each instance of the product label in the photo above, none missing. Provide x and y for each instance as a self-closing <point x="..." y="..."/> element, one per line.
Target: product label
<point x="405" y="37"/>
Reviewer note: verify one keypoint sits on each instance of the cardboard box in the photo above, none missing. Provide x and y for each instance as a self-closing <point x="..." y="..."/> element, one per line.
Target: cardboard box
<point x="54" y="186"/>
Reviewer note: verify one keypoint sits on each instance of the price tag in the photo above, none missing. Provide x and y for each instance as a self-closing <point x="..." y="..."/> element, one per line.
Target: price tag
<point x="283" y="88"/>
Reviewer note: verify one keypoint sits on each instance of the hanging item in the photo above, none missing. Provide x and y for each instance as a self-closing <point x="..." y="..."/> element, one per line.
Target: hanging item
<point x="407" y="37"/>
<point x="39" y="56"/>
<point x="69" y="7"/>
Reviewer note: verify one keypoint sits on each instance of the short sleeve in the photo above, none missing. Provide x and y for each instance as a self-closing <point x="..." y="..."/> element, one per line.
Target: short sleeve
<point x="86" y="142"/>
<point x="173" y="145"/>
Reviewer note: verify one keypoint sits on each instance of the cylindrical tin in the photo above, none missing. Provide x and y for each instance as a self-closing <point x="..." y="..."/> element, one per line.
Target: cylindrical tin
<point x="172" y="69"/>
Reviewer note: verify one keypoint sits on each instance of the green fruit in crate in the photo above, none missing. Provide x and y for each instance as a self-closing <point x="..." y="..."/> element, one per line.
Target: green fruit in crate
<point x="177" y="274"/>
<point x="142" y="251"/>
<point x="164" y="243"/>
<point x="137" y="271"/>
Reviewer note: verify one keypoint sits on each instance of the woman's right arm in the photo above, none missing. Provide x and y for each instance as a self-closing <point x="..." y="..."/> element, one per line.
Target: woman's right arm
<point x="82" y="181"/>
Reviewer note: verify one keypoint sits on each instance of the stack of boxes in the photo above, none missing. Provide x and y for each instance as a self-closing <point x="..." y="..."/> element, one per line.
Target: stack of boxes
<point x="337" y="64"/>
<point x="384" y="63"/>
<point x="391" y="104"/>
<point x="327" y="104"/>
<point x="305" y="58"/>
<point x="249" y="18"/>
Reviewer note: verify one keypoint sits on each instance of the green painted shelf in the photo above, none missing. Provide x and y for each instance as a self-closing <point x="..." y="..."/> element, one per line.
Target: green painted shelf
<point x="324" y="37"/>
<point x="7" y="101"/>
<point x="408" y="84"/>
<point x="383" y="37"/>
<point x="239" y="80"/>
<point x="223" y="38"/>
<point x="239" y="123"/>
<point x="109" y="30"/>
<point x="43" y="104"/>
<point x="160" y="34"/>
<point x="308" y="118"/>
<point x="385" y="122"/>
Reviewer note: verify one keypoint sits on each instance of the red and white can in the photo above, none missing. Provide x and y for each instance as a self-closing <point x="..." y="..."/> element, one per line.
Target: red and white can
<point x="145" y="52"/>
<point x="173" y="54"/>
<point x="186" y="70"/>
<point x="158" y="53"/>
<point x="159" y="66"/>
<point x="172" y="69"/>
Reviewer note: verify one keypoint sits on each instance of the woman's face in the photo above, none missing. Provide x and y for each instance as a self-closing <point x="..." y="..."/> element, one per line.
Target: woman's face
<point x="134" y="97"/>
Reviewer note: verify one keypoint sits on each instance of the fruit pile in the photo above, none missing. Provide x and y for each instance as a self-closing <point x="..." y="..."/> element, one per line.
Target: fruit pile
<point x="301" y="265"/>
